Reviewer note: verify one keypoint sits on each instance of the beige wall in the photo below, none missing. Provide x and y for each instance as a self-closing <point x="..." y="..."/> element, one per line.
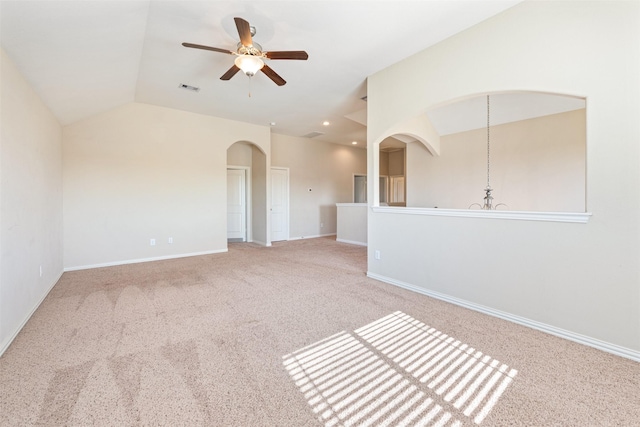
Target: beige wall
<point x="578" y="280"/>
<point x="392" y="163"/>
<point x="536" y="165"/>
<point x="139" y="172"/>
<point x="239" y="154"/>
<point x="384" y="163"/>
<point x="352" y="223"/>
<point x="326" y="169"/>
<point x="30" y="201"/>
<point x="396" y="162"/>
<point x="260" y="197"/>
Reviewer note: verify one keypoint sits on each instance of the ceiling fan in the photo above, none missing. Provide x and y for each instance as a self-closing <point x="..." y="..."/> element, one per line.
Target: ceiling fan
<point x="250" y="56"/>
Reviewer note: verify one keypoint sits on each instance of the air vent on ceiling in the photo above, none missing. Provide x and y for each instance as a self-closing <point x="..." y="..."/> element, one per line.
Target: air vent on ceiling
<point x="188" y="87"/>
<point x="313" y="134"/>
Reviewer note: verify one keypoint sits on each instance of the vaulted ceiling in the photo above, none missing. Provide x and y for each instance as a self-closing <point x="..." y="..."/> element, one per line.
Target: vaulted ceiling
<point x="86" y="57"/>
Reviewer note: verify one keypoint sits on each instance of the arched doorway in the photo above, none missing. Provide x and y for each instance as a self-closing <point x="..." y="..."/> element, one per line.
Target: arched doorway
<point x="247" y="194"/>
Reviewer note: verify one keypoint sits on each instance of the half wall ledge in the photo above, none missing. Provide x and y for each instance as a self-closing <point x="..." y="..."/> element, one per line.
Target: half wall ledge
<point x="575" y="217"/>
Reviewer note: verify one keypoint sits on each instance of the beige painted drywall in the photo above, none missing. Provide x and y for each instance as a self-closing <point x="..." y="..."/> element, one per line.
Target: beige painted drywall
<point x="30" y="200"/>
<point x="139" y="172"/>
<point x="583" y="279"/>
<point x="239" y="154"/>
<point x="260" y="197"/>
<point x="384" y="163"/>
<point x="396" y="162"/>
<point x="326" y="169"/>
<point x="352" y="223"/>
<point x="536" y="165"/>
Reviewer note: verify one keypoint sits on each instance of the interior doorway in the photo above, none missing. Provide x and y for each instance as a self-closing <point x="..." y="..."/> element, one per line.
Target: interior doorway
<point x="246" y="156"/>
<point x="359" y="189"/>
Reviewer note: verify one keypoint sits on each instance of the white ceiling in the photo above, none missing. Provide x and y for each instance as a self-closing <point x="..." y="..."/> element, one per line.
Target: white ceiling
<point x="86" y="57"/>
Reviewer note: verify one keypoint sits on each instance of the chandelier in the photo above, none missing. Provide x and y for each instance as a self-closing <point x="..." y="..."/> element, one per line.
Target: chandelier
<point x="488" y="198"/>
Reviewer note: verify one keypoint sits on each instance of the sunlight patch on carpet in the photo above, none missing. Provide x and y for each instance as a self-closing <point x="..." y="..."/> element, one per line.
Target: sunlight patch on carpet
<point x="397" y="371"/>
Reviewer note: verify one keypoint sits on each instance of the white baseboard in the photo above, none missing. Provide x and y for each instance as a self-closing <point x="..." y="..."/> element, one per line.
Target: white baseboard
<point x="352" y="242"/>
<point x="136" y="261"/>
<point x="559" y="332"/>
<point x="311" y="237"/>
<point x="5" y="345"/>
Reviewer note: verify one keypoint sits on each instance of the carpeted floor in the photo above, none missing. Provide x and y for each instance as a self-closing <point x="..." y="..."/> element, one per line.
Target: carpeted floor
<point x="293" y="335"/>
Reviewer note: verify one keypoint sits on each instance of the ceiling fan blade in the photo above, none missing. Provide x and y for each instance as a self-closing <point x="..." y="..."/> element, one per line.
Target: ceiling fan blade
<point x="288" y="54"/>
<point x="244" y="31"/>
<point x="214" y="49"/>
<point x="230" y="73"/>
<point x="273" y="75"/>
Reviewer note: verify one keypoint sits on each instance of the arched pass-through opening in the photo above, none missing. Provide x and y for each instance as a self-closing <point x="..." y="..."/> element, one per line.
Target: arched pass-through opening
<point x="529" y="148"/>
<point x="247" y="193"/>
<point x="389" y="159"/>
<point x="392" y="179"/>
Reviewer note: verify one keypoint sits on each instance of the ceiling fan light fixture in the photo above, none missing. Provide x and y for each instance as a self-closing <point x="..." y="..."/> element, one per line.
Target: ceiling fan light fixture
<point x="249" y="64"/>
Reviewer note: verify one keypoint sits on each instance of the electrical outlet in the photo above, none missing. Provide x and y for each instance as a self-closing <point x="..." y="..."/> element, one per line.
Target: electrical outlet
<point x="376" y="254"/>
<point x="152" y="242"/>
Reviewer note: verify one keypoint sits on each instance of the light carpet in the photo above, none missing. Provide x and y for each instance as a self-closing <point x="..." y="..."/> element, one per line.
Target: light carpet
<point x="292" y="335"/>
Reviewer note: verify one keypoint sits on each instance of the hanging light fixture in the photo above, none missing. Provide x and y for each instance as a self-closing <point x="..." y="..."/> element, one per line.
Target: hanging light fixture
<point x="488" y="198"/>
<point x="249" y="64"/>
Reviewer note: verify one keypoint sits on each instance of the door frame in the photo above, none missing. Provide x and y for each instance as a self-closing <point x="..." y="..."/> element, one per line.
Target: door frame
<point x="247" y="195"/>
<point x="353" y="187"/>
<point x="288" y="196"/>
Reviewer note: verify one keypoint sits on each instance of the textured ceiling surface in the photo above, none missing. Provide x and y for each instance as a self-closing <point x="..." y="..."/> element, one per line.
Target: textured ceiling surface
<point x="86" y="57"/>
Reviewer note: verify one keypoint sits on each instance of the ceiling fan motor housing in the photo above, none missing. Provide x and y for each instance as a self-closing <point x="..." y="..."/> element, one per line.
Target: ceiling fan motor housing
<point x="255" y="49"/>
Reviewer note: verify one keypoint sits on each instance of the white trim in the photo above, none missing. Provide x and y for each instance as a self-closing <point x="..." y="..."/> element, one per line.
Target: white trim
<point x="13" y="336"/>
<point x="559" y="332"/>
<point x="139" y="260"/>
<point x="312" y="237"/>
<point x="258" y="242"/>
<point x="350" y="204"/>
<point x="576" y="217"/>
<point x="351" y="242"/>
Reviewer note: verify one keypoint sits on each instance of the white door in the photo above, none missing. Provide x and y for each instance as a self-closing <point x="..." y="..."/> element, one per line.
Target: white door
<point x="236" y="204"/>
<point x="279" y="204"/>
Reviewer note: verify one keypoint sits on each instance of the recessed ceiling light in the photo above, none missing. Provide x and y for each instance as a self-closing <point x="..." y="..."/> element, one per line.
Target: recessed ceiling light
<point x="326" y="123"/>
<point x="272" y="123"/>
<point x="354" y="143"/>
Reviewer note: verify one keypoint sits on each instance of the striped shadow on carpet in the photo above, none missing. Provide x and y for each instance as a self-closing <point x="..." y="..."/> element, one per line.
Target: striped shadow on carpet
<point x="397" y="371"/>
